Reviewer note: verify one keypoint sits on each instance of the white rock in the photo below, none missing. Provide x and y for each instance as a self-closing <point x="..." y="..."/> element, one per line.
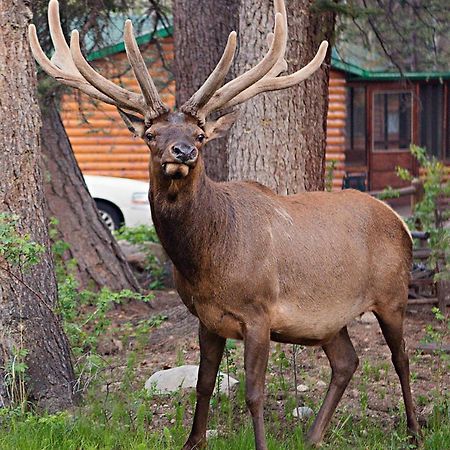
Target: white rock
<point x="302" y="412"/>
<point x="321" y="383"/>
<point x="183" y="377"/>
<point x="211" y="434"/>
<point x="368" y="318"/>
<point x="302" y="388"/>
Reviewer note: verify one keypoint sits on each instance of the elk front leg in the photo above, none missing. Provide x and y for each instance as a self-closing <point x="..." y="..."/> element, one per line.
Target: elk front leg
<point x="256" y="355"/>
<point x="211" y="351"/>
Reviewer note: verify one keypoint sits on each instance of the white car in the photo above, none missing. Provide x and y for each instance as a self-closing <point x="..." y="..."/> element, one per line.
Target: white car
<point x="121" y="201"/>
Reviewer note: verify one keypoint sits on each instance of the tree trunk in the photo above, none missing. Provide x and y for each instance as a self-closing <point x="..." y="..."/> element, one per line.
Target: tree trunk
<point x="279" y="138"/>
<point x="200" y="38"/>
<point x="27" y="322"/>
<point x="99" y="260"/>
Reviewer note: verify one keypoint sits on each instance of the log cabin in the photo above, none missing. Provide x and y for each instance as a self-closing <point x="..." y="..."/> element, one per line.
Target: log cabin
<point x="373" y="118"/>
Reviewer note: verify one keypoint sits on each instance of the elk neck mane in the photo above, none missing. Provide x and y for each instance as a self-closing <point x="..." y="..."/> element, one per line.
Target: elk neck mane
<point x="196" y="220"/>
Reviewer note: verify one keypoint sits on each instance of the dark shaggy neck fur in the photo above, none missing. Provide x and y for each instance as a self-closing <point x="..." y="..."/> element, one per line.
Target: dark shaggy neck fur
<point x="192" y="216"/>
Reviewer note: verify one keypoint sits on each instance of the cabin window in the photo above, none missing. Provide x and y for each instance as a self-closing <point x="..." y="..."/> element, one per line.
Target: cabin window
<point x="432" y="118"/>
<point x="355" y="151"/>
<point x="392" y="120"/>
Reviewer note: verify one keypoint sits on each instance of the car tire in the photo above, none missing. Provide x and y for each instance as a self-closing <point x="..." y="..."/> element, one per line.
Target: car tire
<point x="110" y="214"/>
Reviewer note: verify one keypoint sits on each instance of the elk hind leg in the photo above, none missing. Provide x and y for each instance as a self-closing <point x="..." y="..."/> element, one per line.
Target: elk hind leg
<point x="391" y="324"/>
<point x="343" y="361"/>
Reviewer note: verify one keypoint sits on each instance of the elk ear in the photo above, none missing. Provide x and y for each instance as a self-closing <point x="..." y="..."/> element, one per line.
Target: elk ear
<point x="219" y="127"/>
<point x="135" y="124"/>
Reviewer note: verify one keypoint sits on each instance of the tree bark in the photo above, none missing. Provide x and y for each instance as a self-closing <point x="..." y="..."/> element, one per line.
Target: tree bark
<point x="279" y="138"/>
<point x="201" y="32"/>
<point x="27" y="318"/>
<point x="99" y="260"/>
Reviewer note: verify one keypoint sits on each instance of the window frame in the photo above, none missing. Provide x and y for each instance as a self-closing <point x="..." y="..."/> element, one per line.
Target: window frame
<point x="372" y="118"/>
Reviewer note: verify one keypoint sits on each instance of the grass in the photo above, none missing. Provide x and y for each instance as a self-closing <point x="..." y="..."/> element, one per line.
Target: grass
<point x="125" y="422"/>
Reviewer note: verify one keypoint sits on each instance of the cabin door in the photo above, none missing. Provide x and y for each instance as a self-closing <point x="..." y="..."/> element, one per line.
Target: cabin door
<point x="391" y="118"/>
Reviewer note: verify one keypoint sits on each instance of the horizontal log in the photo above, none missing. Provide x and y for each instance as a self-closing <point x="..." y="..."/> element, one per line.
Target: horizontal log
<point x="94" y="140"/>
<point x="110" y="149"/>
<point x="112" y="166"/>
<point x="335" y="156"/>
<point x="336" y="115"/>
<point x="423" y="301"/>
<point x="338" y="98"/>
<point x="91" y="123"/>
<point x="335" y="123"/>
<point x="336" y="106"/>
<point x="113" y="132"/>
<point x="335" y="140"/>
<point x="131" y="158"/>
<point x="335" y="132"/>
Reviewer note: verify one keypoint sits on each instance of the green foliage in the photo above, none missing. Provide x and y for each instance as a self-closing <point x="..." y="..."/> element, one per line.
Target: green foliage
<point x="85" y="314"/>
<point x="397" y="35"/>
<point x="17" y="248"/>
<point x="425" y="214"/>
<point x="141" y="235"/>
<point x="331" y="167"/>
<point x="388" y="192"/>
<point x="137" y="235"/>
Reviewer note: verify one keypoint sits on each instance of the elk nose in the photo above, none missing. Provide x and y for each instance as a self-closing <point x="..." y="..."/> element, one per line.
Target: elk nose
<point x="184" y="152"/>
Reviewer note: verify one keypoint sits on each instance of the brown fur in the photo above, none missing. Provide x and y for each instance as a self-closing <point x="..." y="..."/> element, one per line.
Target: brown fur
<point x="292" y="269"/>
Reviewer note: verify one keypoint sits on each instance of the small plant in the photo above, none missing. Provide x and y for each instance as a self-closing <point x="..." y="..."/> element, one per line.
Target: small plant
<point x="140" y="236"/>
<point x="329" y="175"/>
<point x="17" y="248"/>
<point x="436" y="333"/>
<point x="388" y="192"/>
<point x="18" y="253"/>
<point x="137" y="235"/>
<point x="426" y="216"/>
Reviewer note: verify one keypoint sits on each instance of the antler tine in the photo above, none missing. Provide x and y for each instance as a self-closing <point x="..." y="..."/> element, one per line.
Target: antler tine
<point x="273" y="83"/>
<point x="123" y="98"/>
<point x="148" y="88"/>
<point x="65" y="76"/>
<point x="281" y="64"/>
<point x="65" y="69"/>
<point x="239" y="84"/>
<point x="62" y="57"/>
<point x="215" y="80"/>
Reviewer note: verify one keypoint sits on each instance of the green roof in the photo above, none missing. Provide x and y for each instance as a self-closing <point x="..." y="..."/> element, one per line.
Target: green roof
<point x="120" y="47"/>
<point x="354" y="71"/>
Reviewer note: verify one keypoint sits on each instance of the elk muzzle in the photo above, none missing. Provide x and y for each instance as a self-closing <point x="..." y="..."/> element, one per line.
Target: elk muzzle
<point x="184" y="153"/>
<point x="181" y="158"/>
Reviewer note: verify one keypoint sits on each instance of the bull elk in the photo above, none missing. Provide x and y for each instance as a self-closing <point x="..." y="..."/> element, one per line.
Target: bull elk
<point x="251" y="264"/>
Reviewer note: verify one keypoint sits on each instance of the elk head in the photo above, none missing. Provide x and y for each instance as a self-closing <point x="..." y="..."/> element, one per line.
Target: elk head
<point x="175" y="139"/>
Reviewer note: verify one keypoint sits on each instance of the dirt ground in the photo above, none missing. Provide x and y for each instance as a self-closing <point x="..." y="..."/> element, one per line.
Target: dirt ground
<point x="373" y="391"/>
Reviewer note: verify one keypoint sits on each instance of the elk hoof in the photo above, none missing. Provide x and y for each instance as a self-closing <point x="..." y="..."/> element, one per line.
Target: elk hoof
<point x="193" y="443"/>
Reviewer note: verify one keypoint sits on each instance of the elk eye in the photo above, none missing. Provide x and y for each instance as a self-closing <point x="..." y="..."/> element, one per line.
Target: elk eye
<point x="150" y="136"/>
<point x="201" y="138"/>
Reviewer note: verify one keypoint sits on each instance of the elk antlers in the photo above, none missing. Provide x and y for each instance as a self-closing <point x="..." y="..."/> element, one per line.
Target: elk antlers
<point x="261" y="78"/>
<point x="69" y="66"/>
